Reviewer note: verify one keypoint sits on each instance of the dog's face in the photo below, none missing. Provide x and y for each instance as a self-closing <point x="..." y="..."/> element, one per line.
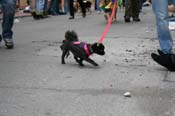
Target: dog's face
<point x="98" y="48"/>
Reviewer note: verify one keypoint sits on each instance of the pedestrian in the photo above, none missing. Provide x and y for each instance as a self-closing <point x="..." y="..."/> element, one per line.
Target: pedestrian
<point x="132" y="9"/>
<point x="38" y="9"/>
<point x="66" y="6"/>
<point x="72" y="12"/>
<point x="8" y="10"/>
<point x="61" y="6"/>
<point x="53" y="8"/>
<point x="99" y="10"/>
<point x="165" y="56"/>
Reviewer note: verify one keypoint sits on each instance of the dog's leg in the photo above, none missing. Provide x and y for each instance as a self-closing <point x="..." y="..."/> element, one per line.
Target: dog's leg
<point x="115" y="14"/>
<point x="91" y="61"/>
<point x="79" y="61"/>
<point x="76" y="59"/>
<point x="63" y="56"/>
<point x="106" y="16"/>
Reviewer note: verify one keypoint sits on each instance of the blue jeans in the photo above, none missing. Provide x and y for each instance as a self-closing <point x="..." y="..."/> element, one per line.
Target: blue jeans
<point x="98" y="5"/>
<point x="40" y="6"/>
<point x="66" y="6"/>
<point x="8" y="9"/>
<point x="54" y="6"/>
<point x="160" y="8"/>
<point x="45" y="6"/>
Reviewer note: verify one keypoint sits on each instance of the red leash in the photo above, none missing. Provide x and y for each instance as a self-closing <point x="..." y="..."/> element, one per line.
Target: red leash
<point x="108" y="25"/>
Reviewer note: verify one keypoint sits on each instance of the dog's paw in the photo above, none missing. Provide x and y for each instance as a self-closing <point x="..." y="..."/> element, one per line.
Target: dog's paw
<point x="95" y="64"/>
<point x="63" y="63"/>
<point x="81" y="64"/>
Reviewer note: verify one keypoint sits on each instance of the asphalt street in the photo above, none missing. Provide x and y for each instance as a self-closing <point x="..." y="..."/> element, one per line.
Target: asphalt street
<point x="33" y="82"/>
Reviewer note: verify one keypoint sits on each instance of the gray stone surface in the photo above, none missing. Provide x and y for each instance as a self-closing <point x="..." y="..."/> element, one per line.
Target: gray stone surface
<point x="33" y="82"/>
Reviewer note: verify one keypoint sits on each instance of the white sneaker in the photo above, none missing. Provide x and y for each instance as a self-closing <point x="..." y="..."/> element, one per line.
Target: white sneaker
<point x="98" y="12"/>
<point x="9" y="43"/>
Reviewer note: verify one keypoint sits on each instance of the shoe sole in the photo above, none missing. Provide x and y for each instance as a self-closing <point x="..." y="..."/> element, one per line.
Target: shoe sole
<point x="9" y="46"/>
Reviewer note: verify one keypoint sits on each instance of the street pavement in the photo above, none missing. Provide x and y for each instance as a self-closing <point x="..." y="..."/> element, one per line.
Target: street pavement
<point x="33" y="82"/>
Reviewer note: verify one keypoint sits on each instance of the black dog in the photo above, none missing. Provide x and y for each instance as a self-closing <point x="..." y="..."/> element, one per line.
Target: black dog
<point x="80" y="50"/>
<point x="87" y="5"/>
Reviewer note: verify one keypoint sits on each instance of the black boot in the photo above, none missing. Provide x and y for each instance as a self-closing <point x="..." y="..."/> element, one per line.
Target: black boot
<point x="35" y="16"/>
<point x="127" y="19"/>
<point x="160" y="53"/>
<point x="84" y="15"/>
<point x="165" y="60"/>
<point x="136" y="19"/>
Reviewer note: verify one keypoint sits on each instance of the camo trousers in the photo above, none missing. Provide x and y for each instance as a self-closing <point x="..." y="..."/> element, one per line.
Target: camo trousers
<point x="132" y="8"/>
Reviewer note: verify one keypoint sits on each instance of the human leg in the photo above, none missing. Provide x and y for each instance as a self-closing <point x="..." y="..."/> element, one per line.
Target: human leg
<point x="66" y="6"/>
<point x="135" y="10"/>
<point x="98" y="6"/>
<point x="165" y="57"/>
<point x="8" y="9"/>
<point x="53" y="7"/>
<point x="127" y="10"/>
<point x="71" y="9"/>
<point x="160" y="8"/>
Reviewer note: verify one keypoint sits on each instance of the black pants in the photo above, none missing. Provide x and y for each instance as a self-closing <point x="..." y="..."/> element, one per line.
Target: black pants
<point x="83" y="9"/>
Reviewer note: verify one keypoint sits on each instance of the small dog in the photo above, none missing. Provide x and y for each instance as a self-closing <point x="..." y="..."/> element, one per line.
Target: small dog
<point x="107" y="6"/>
<point x="87" y="5"/>
<point x="80" y="50"/>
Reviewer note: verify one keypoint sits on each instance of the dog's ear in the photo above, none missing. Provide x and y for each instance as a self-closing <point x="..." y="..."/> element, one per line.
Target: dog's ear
<point x="71" y="35"/>
<point x="67" y="34"/>
<point x="100" y="45"/>
<point x="74" y="35"/>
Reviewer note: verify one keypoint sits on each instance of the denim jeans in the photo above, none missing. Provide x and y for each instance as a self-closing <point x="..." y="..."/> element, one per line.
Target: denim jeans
<point x="98" y="5"/>
<point x="45" y="6"/>
<point x="40" y="6"/>
<point x="8" y="9"/>
<point x="160" y="8"/>
<point x="66" y="6"/>
<point x="53" y="8"/>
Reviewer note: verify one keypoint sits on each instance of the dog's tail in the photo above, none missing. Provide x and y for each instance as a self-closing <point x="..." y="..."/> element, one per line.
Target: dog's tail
<point x="71" y="35"/>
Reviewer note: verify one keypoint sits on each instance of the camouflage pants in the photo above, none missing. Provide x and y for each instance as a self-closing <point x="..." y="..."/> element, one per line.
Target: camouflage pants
<point x="132" y="8"/>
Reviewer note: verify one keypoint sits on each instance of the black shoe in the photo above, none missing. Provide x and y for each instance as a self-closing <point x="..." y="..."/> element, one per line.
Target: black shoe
<point x="35" y="16"/>
<point x="71" y="17"/>
<point x="84" y="15"/>
<point x="9" y="43"/>
<point x="42" y="16"/>
<point x="54" y="14"/>
<point x="165" y="60"/>
<point x="127" y="19"/>
<point x="136" y="19"/>
<point x="62" y="13"/>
